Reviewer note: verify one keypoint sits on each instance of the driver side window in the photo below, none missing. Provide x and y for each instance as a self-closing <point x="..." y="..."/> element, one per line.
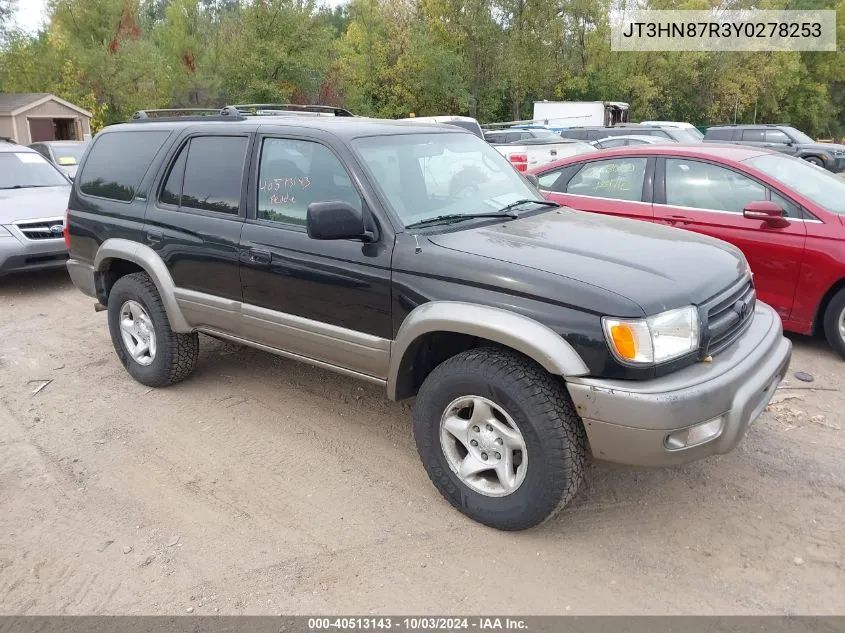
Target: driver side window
<point x="293" y="173"/>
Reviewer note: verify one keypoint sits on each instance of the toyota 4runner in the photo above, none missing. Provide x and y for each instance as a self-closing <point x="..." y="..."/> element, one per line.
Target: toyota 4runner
<point x="416" y="257"/>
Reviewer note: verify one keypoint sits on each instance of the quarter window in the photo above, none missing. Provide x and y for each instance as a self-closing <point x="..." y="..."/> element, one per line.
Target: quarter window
<point x="292" y="174"/>
<point x="620" y="179"/>
<point x="548" y="179"/>
<point x="118" y="161"/>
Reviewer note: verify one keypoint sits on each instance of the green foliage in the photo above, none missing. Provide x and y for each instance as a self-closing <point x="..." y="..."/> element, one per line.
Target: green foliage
<point x="388" y="58"/>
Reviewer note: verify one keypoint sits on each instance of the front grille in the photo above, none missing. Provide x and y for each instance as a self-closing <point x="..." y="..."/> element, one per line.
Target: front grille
<point x="724" y="319"/>
<point x="40" y="229"/>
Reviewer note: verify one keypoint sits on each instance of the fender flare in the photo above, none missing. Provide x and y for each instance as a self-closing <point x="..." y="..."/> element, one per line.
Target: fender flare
<point x="518" y="332"/>
<point x="148" y="259"/>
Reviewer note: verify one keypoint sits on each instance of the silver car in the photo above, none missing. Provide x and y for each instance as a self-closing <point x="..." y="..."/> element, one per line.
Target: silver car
<point x="63" y="154"/>
<point x="33" y="200"/>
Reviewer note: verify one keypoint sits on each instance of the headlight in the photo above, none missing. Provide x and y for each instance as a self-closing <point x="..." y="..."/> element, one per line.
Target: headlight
<point x="839" y="152"/>
<point x="657" y="339"/>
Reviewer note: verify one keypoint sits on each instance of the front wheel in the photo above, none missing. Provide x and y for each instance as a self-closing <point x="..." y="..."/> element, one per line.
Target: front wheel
<point x="499" y="438"/>
<point x="834" y="322"/>
<point x="814" y="160"/>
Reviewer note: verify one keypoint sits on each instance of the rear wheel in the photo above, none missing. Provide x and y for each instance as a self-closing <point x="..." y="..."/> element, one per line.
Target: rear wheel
<point x="151" y="352"/>
<point x="814" y="160"/>
<point x="834" y="322"/>
<point x="499" y="438"/>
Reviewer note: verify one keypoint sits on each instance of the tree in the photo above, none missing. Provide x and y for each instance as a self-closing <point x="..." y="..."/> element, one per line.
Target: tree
<point x="7" y="14"/>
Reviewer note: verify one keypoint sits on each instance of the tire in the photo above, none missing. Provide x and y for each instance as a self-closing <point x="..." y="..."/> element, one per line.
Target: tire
<point x="543" y="414"/>
<point x="814" y="160"/>
<point x="834" y="322"/>
<point x="173" y="356"/>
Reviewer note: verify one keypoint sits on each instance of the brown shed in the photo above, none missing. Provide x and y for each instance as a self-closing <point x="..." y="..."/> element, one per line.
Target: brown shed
<point x="32" y="117"/>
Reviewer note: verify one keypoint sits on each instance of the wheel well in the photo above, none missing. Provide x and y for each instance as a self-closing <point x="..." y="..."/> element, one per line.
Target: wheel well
<point x="114" y="269"/>
<point x="819" y="324"/>
<point x="427" y="352"/>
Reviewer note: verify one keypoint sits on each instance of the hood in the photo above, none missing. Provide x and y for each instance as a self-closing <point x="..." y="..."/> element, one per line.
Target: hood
<point x="33" y="203"/>
<point x="654" y="266"/>
<point x="829" y="147"/>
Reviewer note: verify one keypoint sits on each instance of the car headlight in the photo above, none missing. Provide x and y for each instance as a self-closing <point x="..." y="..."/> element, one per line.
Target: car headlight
<point x="839" y="152"/>
<point x="656" y="339"/>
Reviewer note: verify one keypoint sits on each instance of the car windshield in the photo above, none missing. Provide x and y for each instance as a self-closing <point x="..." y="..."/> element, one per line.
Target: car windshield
<point x="684" y="135"/>
<point x="68" y="155"/>
<point x="424" y="176"/>
<point x="814" y="183"/>
<point x="21" y="170"/>
<point x="798" y="136"/>
<point x="544" y="134"/>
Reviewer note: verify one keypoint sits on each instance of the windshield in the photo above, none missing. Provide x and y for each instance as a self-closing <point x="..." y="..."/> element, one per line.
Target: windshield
<point x="28" y="169"/>
<point x="798" y="136"/>
<point x="545" y="134"/>
<point x="684" y="135"/>
<point x="814" y="183"/>
<point x="69" y="155"/>
<point x="427" y="175"/>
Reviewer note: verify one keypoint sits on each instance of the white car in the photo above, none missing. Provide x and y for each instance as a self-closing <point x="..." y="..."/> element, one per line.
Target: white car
<point x="33" y="199"/>
<point x="465" y="122"/>
<point x="689" y="127"/>
<point x="609" y="142"/>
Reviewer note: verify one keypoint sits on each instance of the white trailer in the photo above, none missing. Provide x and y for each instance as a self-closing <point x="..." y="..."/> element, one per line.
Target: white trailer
<point x="566" y="114"/>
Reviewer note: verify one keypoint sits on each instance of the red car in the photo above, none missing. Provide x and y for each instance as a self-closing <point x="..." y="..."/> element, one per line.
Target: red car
<point x="786" y="215"/>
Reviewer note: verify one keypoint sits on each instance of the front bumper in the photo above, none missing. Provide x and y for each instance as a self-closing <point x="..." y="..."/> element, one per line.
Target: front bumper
<point x="630" y="422"/>
<point x="21" y="255"/>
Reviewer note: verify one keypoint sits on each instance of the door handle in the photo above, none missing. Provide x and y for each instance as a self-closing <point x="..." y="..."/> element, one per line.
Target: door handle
<point x="680" y="219"/>
<point x="257" y="256"/>
<point x="154" y="236"/>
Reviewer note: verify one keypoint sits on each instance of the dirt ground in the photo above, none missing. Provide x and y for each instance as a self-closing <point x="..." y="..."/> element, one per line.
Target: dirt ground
<point x="263" y="486"/>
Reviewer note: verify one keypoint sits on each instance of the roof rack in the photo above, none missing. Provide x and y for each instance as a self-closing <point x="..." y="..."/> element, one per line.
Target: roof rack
<point x="753" y="125"/>
<point x="175" y="112"/>
<point x="281" y="109"/>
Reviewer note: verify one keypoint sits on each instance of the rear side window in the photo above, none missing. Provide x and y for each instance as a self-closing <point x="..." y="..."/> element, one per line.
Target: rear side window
<point x="118" y="161"/>
<point x="719" y="134"/>
<point x="207" y="175"/>
<point x="619" y="178"/>
<point x="753" y="136"/>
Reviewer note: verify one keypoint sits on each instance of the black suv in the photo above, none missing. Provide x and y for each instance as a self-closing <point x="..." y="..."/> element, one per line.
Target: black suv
<point x="526" y="331"/>
<point x="598" y="132"/>
<point x="781" y="138"/>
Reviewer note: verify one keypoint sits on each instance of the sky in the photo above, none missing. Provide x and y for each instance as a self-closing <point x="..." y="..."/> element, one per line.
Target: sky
<point x="30" y="14"/>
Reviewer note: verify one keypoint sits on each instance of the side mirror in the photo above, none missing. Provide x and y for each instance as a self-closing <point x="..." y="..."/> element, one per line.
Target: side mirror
<point x="767" y="211"/>
<point x="336" y="220"/>
<point x="533" y="180"/>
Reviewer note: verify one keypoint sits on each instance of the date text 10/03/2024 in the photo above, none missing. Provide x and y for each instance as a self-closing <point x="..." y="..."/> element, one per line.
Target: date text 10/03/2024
<point x="418" y="624"/>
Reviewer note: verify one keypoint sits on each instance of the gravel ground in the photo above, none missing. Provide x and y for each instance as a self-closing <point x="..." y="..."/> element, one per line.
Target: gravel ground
<point x="263" y="486"/>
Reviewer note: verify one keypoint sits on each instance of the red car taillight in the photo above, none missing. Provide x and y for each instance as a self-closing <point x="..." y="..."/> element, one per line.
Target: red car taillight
<point x="519" y="161"/>
<point x="66" y="229"/>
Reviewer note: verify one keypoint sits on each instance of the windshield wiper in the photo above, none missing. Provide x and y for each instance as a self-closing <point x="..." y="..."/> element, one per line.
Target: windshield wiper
<point x="458" y="217"/>
<point x="519" y="203"/>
